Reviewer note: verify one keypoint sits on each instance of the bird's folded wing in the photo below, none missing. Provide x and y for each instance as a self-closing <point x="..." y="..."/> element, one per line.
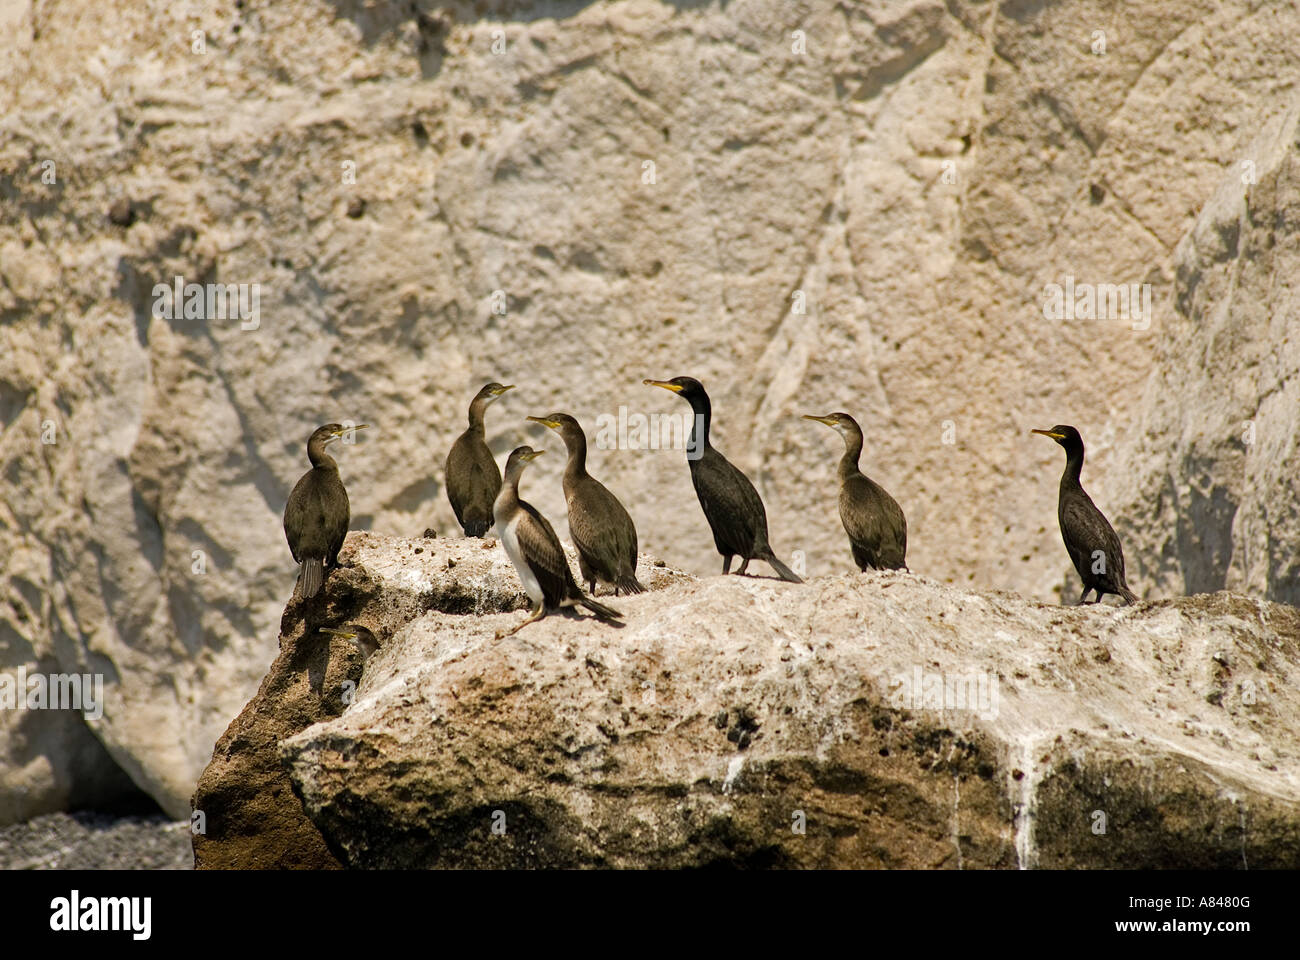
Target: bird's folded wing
<point x="603" y="527"/>
<point x="1087" y="530"/>
<point x="543" y="553"/>
<point x="727" y="497"/>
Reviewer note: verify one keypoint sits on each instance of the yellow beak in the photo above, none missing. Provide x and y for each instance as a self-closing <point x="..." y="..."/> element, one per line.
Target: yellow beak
<point x="830" y="422"/>
<point x="553" y="424"/>
<point x="1048" y="433"/>
<point x="675" y="388"/>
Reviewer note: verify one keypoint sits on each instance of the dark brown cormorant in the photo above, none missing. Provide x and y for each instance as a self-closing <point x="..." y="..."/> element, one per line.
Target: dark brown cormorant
<point x="1089" y="538"/>
<point x="535" y="550"/>
<point x="730" y="502"/>
<point x="317" y="514"/>
<point x="598" y="523"/>
<point x="473" y="480"/>
<point x="364" y="640"/>
<point x="872" y="518"/>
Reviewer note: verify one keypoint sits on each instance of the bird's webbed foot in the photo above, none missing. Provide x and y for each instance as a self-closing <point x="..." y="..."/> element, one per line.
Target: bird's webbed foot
<point x="539" y="611"/>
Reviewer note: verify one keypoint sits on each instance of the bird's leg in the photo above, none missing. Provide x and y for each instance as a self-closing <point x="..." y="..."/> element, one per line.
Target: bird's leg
<point x="743" y="564"/>
<point x="1083" y="598"/>
<point x="726" y="565"/>
<point x="538" y="612"/>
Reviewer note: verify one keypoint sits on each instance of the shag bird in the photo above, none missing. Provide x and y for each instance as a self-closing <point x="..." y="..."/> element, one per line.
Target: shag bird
<point x="364" y="640"/>
<point x="317" y="514"/>
<point x="473" y="480"/>
<point x="730" y="502"/>
<point x="532" y="546"/>
<point x="600" y="526"/>
<point x="1089" y="538"/>
<point x="872" y="518"/>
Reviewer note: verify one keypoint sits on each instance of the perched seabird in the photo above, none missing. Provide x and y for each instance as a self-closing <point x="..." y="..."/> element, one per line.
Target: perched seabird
<point x="599" y="524"/>
<point x="365" y="641"/>
<point x="730" y="502"/>
<point x="317" y="514"/>
<point x="473" y="480"/>
<point x="534" y="549"/>
<point x="872" y="518"/>
<point x="1089" y="538"/>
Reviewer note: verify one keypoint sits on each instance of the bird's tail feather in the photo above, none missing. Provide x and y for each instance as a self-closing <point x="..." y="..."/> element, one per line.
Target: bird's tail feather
<point x="785" y="572"/>
<point x="311" y="575"/>
<point x="600" y="610"/>
<point x="1128" y="594"/>
<point x="630" y="584"/>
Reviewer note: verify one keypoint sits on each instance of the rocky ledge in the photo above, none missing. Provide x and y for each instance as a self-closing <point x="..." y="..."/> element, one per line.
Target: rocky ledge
<point x="873" y="720"/>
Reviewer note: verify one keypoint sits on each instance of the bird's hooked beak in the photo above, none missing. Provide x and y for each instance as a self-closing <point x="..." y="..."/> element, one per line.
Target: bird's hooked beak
<point x="531" y="456"/>
<point x="1048" y="433"/>
<point x="502" y="389"/>
<point x="674" y="387"/>
<point x="829" y="421"/>
<point x="343" y="432"/>
<point x="553" y="424"/>
<point x="342" y="632"/>
<point x="365" y="642"/>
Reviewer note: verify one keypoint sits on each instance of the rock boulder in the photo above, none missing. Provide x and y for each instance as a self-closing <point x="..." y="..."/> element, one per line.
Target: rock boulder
<point x="859" y="720"/>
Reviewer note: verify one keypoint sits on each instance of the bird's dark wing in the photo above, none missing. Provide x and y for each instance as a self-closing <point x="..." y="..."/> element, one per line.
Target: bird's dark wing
<point x="295" y="516"/>
<point x="1086" y="530"/>
<point x="473" y="482"/>
<point x="544" y="556"/>
<point x="602" y="530"/>
<point x="459" y="484"/>
<point x="485" y="484"/>
<point x="874" y="522"/>
<point x="342" y="517"/>
<point x="317" y="515"/>
<point x="731" y="505"/>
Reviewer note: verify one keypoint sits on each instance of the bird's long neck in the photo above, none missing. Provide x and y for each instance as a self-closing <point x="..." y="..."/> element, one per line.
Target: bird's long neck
<point x="1073" y="468"/>
<point x="576" y="443"/>
<point x="317" y="455"/>
<point x="700" y="422"/>
<point x="476" y="410"/>
<point x="508" y="496"/>
<point x="852" y="452"/>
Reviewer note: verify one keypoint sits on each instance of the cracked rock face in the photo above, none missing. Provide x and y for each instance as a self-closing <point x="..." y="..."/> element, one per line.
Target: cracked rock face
<point x="866" y="223"/>
<point x="1210" y="489"/>
<point x="874" y="720"/>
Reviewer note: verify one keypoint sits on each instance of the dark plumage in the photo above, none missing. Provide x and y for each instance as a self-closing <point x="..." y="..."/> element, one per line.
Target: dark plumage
<point x="872" y="518"/>
<point x="534" y="549"/>
<point x="1089" y="538"/>
<point x="731" y="504"/>
<point x="599" y="524"/>
<point x="317" y="514"/>
<point x="473" y="480"/>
